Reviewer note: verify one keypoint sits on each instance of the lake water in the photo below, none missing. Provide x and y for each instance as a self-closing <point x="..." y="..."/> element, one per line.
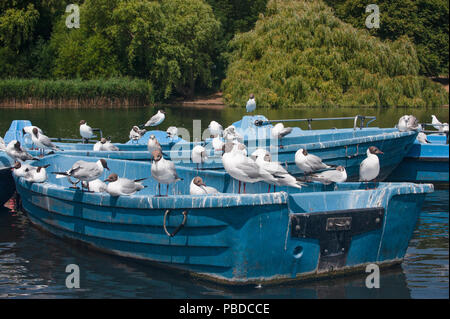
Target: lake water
<point x="32" y="263"/>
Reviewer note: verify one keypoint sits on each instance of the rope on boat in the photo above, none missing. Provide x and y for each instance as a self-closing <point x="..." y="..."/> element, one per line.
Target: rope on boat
<point x="179" y="226"/>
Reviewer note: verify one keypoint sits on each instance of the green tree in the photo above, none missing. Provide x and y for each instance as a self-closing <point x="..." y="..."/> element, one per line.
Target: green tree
<point x="425" y="22"/>
<point x="301" y="54"/>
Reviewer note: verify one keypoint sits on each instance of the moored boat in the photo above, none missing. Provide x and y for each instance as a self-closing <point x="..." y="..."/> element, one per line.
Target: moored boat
<point x="7" y="186"/>
<point x="345" y="147"/>
<point x="424" y="162"/>
<point x="232" y="238"/>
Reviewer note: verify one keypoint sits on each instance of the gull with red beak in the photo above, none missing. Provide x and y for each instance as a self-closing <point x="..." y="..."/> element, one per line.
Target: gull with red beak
<point x="163" y="171"/>
<point x="370" y="167"/>
<point x="118" y="186"/>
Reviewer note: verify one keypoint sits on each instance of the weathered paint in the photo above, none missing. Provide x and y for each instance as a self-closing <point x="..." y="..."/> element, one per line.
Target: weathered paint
<point x="230" y="238"/>
<point x="424" y="162"/>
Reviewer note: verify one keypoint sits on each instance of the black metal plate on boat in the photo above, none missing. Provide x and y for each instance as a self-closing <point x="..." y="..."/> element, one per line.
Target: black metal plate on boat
<point x="334" y="230"/>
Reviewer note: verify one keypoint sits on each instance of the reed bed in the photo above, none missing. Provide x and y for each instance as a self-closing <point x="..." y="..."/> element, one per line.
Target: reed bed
<point x="116" y="92"/>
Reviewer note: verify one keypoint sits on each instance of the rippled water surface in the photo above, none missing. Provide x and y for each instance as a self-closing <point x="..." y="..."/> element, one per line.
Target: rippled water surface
<point x="32" y="262"/>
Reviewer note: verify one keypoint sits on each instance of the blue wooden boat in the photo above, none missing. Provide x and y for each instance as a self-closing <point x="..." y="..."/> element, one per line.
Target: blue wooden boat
<point x="232" y="238"/>
<point x="346" y="147"/>
<point x="424" y="162"/>
<point x="7" y="186"/>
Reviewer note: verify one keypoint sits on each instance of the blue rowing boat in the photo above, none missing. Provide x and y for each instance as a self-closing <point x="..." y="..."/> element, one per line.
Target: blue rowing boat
<point x="424" y="162"/>
<point x="7" y="186"/>
<point x="232" y="238"/>
<point x="345" y="147"/>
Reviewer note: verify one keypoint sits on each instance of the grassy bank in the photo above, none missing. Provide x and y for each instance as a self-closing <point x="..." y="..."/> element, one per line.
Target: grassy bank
<point x="117" y="92"/>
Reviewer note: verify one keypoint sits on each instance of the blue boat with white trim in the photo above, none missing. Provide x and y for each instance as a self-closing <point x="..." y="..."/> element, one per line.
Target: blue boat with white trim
<point x="229" y="238"/>
<point x="425" y="163"/>
<point x="7" y="186"/>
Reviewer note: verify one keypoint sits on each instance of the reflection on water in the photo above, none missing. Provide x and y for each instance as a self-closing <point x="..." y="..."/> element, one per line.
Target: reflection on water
<point x="32" y="265"/>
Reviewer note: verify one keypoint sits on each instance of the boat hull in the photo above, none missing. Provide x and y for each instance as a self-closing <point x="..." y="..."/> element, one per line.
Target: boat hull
<point x="7" y="186"/>
<point x="424" y="163"/>
<point x="236" y="239"/>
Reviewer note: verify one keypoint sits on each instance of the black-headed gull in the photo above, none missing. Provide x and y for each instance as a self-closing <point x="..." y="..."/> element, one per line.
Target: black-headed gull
<point x="20" y="169"/>
<point x="36" y="174"/>
<point x="198" y="155"/>
<point x="153" y="144"/>
<point x="279" y="173"/>
<point x="156" y="119"/>
<point x="251" y="104"/>
<point x="422" y="138"/>
<point x="441" y="128"/>
<point x="215" y="129"/>
<point x="105" y="146"/>
<point x="42" y="141"/>
<point x="120" y="186"/>
<point x="279" y="131"/>
<point x="259" y="152"/>
<point x="136" y="133"/>
<point x="370" y="167"/>
<point x="230" y="134"/>
<point x="86" y="131"/>
<point x="243" y="168"/>
<point x="198" y="187"/>
<point x="84" y="171"/>
<point x="29" y="130"/>
<point x="408" y="123"/>
<point x="163" y="171"/>
<point x="14" y="150"/>
<point x="309" y="163"/>
<point x="339" y="175"/>
<point x="172" y="132"/>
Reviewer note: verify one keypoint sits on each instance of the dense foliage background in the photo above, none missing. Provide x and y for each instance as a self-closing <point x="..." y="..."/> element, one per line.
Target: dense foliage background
<point x="287" y="52"/>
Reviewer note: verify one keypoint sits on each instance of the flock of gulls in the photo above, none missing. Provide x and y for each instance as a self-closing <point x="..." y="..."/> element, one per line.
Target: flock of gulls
<point x="236" y="162"/>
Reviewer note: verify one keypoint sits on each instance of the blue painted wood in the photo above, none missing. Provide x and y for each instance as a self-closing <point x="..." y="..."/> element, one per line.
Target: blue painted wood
<point x="424" y="162"/>
<point x="230" y="238"/>
<point x="7" y="186"/>
<point x="346" y="147"/>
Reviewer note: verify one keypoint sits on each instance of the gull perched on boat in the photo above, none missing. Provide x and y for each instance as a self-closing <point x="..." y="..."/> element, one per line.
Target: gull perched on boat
<point x="118" y="186"/>
<point x="443" y="128"/>
<point x="198" y="155"/>
<point x="279" y="131"/>
<point x="230" y="134"/>
<point x="20" y="169"/>
<point x="243" y="168"/>
<point x="215" y="129"/>
<point x="370" y="167"/>
<point x="251" y="104"/>
<point x="422" y="138"/>
<point x="259" y="152"/>
<point x="153" y="144"/>
<point x="105" y="145"/>
<point x="156" y="119"/>
<point x="96" y="186"/>
<point x="42" y="141"/>
<point x="281" y="175"/>
<point x="309" y="163"/>
<point x="29" y="130"/>
<point x="36" y="174"/>
<point x="136" y="133"/>
<point x="408" y="123"/>
<point x="172" y="132"/>
<point x="84" y="171"/>
<point x="217" y="143"/>
<point x="339" y="175"/>
<point x="86" y="131"/>
<point x="163" y="171"/>
<point x="15" y="151"/>
<point x="198" y="187"/>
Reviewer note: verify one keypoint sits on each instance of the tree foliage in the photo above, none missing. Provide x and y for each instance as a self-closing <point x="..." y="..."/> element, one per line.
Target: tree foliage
<point x="425" y="22"/>
<point x="300" y="53"/>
